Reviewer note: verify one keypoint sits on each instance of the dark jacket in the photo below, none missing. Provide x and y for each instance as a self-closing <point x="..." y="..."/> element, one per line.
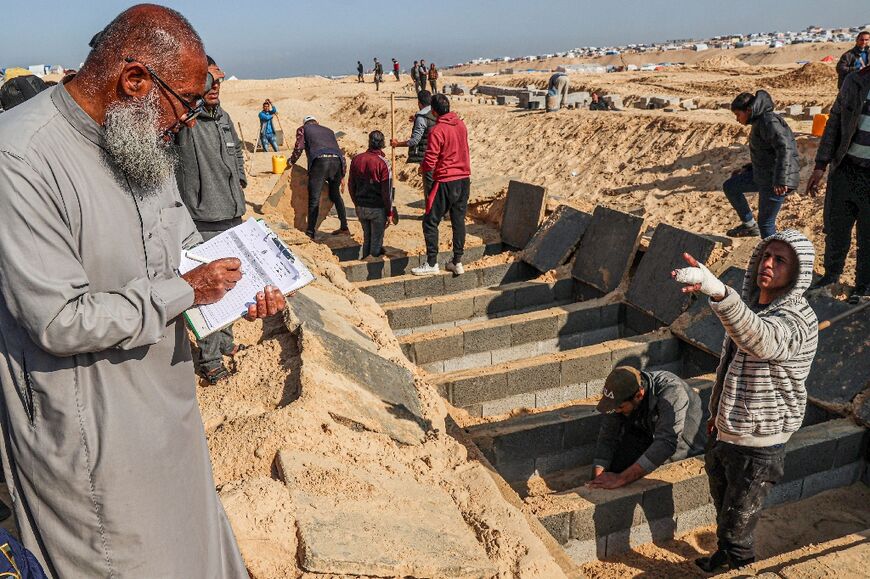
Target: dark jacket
<point x="772" y="147"/>
<point x="843" y="120"/>
<point x="671" y="413"/>
<point x="369" y="181"/>
<point x="447" y="154"/>
<point x="424" y="120"/>
<point x="848" y="60"/>
<point x="316" y="141"/>
<point x="599" y="106"/>
<point x="211" y="168"/>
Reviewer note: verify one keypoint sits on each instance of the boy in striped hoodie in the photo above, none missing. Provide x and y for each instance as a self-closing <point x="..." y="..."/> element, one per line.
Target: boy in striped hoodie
<point x="759" y="398"/>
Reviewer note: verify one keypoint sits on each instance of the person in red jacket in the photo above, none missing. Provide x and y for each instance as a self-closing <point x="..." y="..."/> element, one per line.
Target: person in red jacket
<point x="448" y="158"/>
<point x="369" y="185"/>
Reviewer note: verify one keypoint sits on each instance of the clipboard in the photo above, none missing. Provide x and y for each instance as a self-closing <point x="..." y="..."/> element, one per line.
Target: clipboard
<point x="266" y="260"/>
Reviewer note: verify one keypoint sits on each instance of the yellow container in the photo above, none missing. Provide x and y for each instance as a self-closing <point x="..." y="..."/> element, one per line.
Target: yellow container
<point x="279" y="163"/>
<point x="819" y="122"/>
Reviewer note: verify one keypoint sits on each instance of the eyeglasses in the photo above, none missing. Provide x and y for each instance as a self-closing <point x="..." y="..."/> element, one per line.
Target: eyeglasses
<point x="193" y="110"/>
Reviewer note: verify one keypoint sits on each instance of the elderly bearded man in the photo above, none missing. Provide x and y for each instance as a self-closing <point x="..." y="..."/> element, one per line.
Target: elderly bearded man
<point x="103" y="442"/>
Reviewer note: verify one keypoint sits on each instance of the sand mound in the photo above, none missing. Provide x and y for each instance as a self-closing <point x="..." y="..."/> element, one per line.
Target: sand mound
<point x="809" y="75"/>
<point x="721" y="61"/>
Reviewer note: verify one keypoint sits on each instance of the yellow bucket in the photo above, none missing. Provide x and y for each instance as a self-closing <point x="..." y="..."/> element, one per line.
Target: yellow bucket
<point x="819" y="122"/>
<point x="279" y="163"/>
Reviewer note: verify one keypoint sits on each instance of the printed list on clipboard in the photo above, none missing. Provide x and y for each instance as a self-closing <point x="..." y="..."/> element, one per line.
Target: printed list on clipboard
<point x="265" y="261"/>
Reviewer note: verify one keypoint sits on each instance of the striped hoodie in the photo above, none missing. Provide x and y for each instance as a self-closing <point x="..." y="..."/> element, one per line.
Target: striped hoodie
<point x="759" y="396"/>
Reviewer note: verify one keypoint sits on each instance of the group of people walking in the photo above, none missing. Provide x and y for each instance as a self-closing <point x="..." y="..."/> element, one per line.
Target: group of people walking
<point x="424" y="77"/>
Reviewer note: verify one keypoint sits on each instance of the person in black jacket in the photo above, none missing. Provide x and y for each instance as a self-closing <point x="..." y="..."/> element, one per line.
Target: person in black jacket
<point x="424" y="120"/>
<point x="773" y="172"/>
<point x="845" y="146"/>
<point x="855" y="58"/>
<point x="651" y="418"/>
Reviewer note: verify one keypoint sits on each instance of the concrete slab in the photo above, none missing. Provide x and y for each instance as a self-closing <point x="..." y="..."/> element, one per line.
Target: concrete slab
<point x="553" y="244"/>
<point x="652" y="290"/>
<point x="699" y="326"/>
<point x="523" y="211"/>
<point x="607" y="248"/>
<point x="841" y="368"/>
<point x="372" y="528"/>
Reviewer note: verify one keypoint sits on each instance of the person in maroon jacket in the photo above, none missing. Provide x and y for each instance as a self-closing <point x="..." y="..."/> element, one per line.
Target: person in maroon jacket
<point x="369" y="185"/>
<point x="448" y="158"/>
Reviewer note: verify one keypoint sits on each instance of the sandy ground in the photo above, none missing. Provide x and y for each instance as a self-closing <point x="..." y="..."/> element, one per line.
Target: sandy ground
<point x="669" y="166"/>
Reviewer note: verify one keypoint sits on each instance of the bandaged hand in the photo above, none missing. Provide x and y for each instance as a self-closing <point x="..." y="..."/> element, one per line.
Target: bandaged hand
<point x="699" y="279"/>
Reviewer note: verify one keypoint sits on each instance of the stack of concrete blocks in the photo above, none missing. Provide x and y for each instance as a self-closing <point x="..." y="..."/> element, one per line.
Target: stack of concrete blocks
<point x="689" y="104"/>
<point x="495" y="90"/>
<point x="614" y="100"/>
<point x="813" y="111"/>
<point x="660" y="102"/>
<point x="794" y="110"/>
<point x="507" y="100"/>
<point x="532" y="99"/>
<point x="578" y="99"/>
<point x="506" y="71"/>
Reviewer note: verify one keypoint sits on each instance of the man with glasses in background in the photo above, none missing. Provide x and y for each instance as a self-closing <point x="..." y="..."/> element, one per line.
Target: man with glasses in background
<point x="211" y="180"/>
<point x="103" y="444"/>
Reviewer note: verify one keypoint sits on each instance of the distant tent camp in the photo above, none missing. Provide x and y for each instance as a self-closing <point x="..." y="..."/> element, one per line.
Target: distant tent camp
<point x="828" y="58"/>
<point x="14" y="71"/>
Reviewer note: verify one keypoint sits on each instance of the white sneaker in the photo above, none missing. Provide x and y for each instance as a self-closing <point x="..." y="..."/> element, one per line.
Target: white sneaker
<point x="455" y="267"/>
<point x="425" y="269"/>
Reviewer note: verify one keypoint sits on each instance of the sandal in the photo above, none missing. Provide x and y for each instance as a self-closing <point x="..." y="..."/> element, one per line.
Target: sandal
<point x="215" y="375"/>
<point x="236" y="349"/>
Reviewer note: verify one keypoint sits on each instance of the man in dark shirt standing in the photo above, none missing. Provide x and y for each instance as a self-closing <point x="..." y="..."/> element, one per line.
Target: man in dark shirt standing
<point x="855" y="58"/>
<point x="369" y="185"/>
<point x="211" y="180"/>
<point x="651" y="418"/>
<point x="326" y="165"/>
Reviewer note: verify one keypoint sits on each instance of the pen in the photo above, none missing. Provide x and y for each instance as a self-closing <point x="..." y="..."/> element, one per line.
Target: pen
<point x="196" y="257"/>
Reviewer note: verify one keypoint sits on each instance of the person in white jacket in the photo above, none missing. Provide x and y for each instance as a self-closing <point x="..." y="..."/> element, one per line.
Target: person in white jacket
<point x="758" y="399"/>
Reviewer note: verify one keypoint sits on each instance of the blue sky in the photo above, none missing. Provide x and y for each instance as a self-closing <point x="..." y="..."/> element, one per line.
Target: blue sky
<point x="274" y="39"/>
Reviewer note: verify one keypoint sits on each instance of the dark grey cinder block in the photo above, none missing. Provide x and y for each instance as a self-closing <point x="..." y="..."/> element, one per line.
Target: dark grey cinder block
<point x="523" y="211"/>
<point x="553" y="244"/>
<point x="607" y="248"/>
<point x="652" y="290"/>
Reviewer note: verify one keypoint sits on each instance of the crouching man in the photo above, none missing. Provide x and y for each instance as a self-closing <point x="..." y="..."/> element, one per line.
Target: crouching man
<point x="651" y="418"/>
<point x="759" y="398"/>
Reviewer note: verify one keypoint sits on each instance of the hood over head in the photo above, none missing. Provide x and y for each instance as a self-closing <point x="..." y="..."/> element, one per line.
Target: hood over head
<point x="806" y="255"/>
<point x="763" y="104"/>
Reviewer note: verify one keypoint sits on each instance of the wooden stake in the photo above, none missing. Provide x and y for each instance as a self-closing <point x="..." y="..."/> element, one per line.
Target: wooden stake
<point x="392" y="148"/>
<point x="850" y="312"/>
<point x="286" y="140"/>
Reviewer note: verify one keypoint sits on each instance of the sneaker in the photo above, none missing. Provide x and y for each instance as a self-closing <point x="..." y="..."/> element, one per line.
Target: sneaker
<point x="861" y="292"/>
<point x="341" y="231"/>
<point x="825" y="280"/>
<point x="744" y="230"/>
<point x="455" y="267"/>
<point x="425" y="269"/>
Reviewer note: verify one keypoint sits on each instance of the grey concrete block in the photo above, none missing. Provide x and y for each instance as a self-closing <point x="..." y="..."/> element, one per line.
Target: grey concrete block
<point x="699" y="517"/>
<point x="531" y="378"/>
<point x="555" y="241"/>
<point x="569" y="342"/>
<point x="646" y="532"/>
<point x="808" y="451"/>
<point x="835" y="478"/>
<point x="453" y="310"/>
<point x="594" y="387"/>
<point x="639" y="322"/>
<point x="516" y="470"/>
<point x="605" y="334"/>
<point x="531" y="442"/>
<point x="384" y="292"/>
<point x="505" y="405"/>
<point x="571" y="458"/>
<point x="533" y="294"/>
<point x="355" y="272"/>
<point x="512" y="353"/>
<point x="479" y="388"/>
<point x="548" y="346"/>
<point x="583" y="551"/>
<point x="607" y="516"/>
<point x="479" y="360"/>
<point x="403" y="316"/>
<point x="550" y="397"/>
<point x="557" y="525"/>
<point x="424" y="286"/>
<point x="494" y="275"/>
<point x="523" y="211"/>
<point x="434" y="367"/>
<point x="607" y="248"/>
<point x="851" y="447"/>
<point x="579" y="319"/>
<point x="664" y="351"/>
<point x="459" y="283"/>
<point x="484" y="337"/>
<point x="584" y="430"/>
<point x="524" y="331"/>
<point x="784" y="493"/>
<point x="493" y="302"/>
<point x="656" y="293"/>
<point x="586" y="364"/>
<point x="576" y="392"/>
<point x="441" y="346"/>
<point x="612" y="314"/>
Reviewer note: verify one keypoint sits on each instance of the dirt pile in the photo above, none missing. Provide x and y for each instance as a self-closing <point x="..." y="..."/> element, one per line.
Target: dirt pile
<point x="722" y="60"/>
<point x="810" y="75"/>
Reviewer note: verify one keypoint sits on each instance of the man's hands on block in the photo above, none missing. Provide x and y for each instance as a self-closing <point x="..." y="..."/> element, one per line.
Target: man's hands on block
<point x="699" y="279"/>
<point x="211" y="281"/>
